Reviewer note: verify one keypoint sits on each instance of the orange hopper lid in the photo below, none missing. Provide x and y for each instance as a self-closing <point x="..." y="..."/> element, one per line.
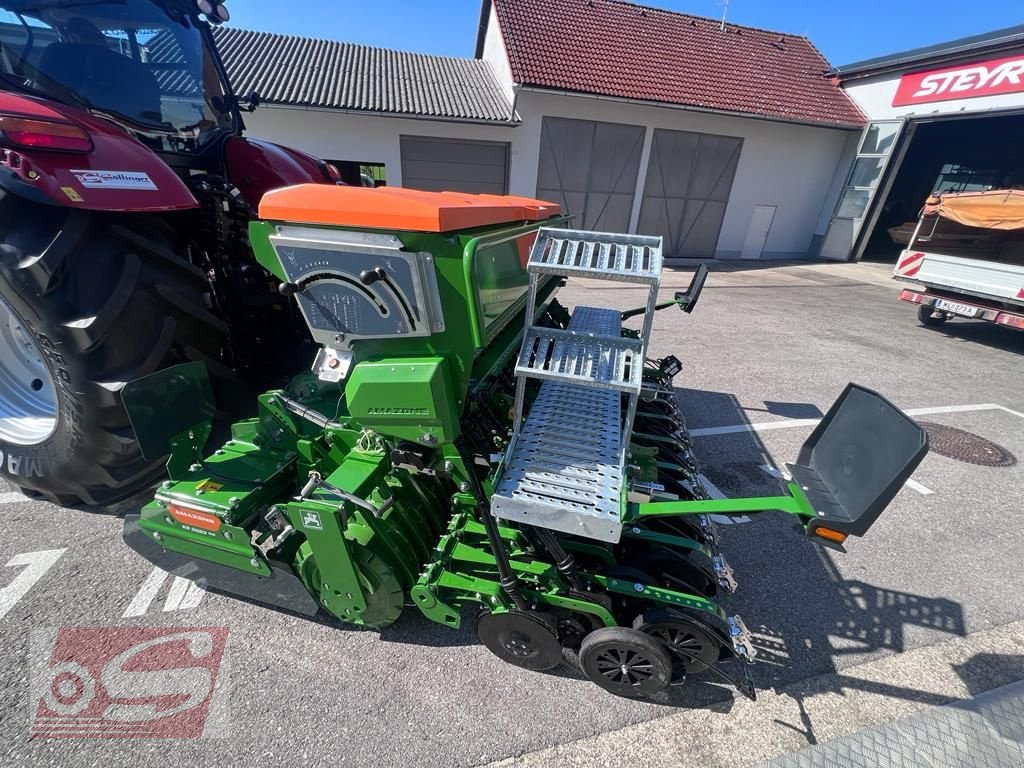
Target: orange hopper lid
<point x="395" y="208"/>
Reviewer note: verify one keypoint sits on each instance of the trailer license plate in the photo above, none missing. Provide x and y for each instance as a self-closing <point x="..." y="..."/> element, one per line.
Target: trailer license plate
<point x="956" y="308"/>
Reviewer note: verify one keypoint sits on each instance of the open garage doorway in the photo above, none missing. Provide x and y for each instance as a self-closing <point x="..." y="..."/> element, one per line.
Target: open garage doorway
<point x="954" y="154"/>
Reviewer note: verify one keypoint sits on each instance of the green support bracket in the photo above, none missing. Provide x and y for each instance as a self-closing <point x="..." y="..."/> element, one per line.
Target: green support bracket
<point x="666" y="597"/>
<point x="680" y="542"/>
<point x="795" y="504"/>
<point x="340" y="591"/>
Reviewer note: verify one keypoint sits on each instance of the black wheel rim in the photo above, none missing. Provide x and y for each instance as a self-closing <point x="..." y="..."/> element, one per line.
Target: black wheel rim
<point x="680" y="639"/>
<point x="522" y="638"/>
<point x="622" y="666"/>
<point x="519" y="645"/>
<point x="693" y="648"/>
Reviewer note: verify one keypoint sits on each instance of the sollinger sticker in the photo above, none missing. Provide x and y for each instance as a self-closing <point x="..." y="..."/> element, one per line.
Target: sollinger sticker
<point x="114" y="179"/>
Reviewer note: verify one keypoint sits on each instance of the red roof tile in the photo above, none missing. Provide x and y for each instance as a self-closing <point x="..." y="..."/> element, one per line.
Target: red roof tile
<point x="616" y="48"/>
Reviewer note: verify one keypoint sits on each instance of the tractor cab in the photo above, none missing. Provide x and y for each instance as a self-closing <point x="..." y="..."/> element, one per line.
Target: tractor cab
<point x="148" y="65"/>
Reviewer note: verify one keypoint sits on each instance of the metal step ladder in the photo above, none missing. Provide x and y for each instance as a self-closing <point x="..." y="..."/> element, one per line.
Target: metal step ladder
<point x="565" y="467"/>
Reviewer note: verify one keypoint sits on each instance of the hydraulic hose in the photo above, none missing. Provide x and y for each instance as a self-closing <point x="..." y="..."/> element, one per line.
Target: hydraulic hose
<point x="506" y="576"/>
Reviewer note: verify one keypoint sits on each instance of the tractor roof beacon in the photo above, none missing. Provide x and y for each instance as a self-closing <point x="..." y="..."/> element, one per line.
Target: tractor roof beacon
<point x="126" y="189"/>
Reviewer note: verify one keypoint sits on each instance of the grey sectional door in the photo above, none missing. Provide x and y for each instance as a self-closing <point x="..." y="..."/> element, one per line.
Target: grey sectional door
<point x="689" y="178"/>
<point x="455" y="165"/>
<point x="591" y="169"/>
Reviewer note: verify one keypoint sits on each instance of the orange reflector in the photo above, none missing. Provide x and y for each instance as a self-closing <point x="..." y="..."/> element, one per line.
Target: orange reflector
<point x="830" y="535"/>
<point x="194" y="517"/>
<point x="44" y="134"/>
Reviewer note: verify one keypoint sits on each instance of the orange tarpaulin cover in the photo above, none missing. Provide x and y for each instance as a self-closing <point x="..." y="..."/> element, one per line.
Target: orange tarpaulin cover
<point x="396" y="208"/>
<point x="995" y="209"/>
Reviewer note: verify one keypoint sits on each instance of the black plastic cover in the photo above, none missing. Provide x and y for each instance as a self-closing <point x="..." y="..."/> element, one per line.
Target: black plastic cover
<point x="688" y="298"/>
<point x="282" y="589"/>
<point x="857" y="459"/>
<point x="163" y="405"/>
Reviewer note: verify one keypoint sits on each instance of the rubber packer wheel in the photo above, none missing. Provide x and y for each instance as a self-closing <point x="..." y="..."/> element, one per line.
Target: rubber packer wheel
<point x="626" y="662"/>
<point x="680" y="635"/>
<point x="524" y="639"/>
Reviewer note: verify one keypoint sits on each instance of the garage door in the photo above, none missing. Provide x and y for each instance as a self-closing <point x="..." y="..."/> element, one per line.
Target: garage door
<point x="591" y="169"/>
<point x="686" y="190"/>
<point x="454" y="164"/>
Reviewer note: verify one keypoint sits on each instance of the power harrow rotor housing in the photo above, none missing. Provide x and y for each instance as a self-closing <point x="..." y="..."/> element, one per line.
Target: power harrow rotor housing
<point x="464" y="443"/>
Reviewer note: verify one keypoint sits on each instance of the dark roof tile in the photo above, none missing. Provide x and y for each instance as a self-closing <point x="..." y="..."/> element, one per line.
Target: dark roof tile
<point x="302" y="71"/>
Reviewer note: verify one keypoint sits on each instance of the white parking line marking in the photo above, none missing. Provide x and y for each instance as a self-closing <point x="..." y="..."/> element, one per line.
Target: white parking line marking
<point x="193" y="597"/>
<point x="13" y="497"/>
<point x="183" y="594"/>
<point x="146" y="594"/>
<point x="791" y="423"/>
<point x="922" y="489"/>
<point x="716" y="493"/>
<point x="1018" y="414"/>
<point x="779" y="475"/>
<point x="36" y="565"/>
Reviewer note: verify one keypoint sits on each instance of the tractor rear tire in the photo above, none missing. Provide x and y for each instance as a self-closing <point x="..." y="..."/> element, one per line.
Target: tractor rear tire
<point x="88" y="302"/>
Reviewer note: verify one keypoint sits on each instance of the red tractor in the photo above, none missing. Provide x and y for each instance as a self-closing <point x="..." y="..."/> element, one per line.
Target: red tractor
<point x="126" y="188"/>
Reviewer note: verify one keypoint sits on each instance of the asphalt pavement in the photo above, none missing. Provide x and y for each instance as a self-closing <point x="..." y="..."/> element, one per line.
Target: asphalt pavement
<point x="937" y="581"/>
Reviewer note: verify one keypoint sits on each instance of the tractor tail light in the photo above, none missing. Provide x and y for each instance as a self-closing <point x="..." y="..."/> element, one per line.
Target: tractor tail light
<point x="29" y="133"/>
<point x="830" y="535"/>
<point x="332" y="172"/>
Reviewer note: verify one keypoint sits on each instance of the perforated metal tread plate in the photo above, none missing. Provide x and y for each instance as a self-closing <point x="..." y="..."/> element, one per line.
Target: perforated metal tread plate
<point x="609" y="362"/>
<point x="986" y="731"/>
<point x="599" y="255"/>
<point x="564" y="473"/>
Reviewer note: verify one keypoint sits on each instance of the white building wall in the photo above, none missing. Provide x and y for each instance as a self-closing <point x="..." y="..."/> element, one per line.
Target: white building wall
<point x="792" y="167"/>
<point x="495" y="55"/>
<point x="364" y="138"/>
<point x="786" y="165"/>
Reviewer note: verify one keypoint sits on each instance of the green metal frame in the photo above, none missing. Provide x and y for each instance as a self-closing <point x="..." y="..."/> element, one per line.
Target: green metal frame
<point x="794" y="504"/>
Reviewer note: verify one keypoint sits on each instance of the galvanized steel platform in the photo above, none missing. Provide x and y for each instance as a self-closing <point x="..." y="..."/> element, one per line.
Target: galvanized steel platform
<point x="607" y="362"/>
<point x="565" y="473"/>
<point x="601" y="255"/>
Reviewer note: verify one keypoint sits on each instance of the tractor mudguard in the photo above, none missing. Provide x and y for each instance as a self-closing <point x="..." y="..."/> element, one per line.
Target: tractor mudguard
<point x="119" y="173"/>
<point x="256" y="167"/>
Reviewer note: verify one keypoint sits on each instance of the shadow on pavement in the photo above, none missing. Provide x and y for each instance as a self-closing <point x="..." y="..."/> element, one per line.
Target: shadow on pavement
<point x="979" y="332"/>
<point x="806" y="617"/>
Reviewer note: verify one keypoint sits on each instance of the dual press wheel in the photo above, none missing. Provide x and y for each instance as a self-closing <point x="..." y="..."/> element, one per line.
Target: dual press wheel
<point x="636" y="662"/>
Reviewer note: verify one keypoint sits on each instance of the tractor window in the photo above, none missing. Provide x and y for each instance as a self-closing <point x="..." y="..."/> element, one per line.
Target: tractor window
<point x="130" y="60"/>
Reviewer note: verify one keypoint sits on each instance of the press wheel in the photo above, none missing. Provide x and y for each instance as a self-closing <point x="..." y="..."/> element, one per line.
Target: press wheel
<point x="692" y="646"/>
<point x="626" y="662"/>
<point x="524" y="639"/>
